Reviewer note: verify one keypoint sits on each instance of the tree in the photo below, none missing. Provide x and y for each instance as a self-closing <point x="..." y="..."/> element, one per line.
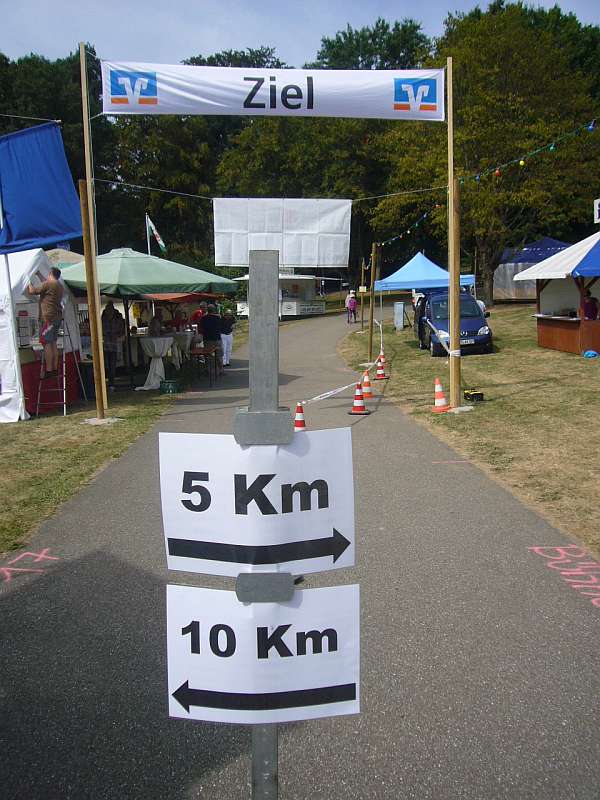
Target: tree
<point x="505" y="106"/>
<point x="402" y="45"/>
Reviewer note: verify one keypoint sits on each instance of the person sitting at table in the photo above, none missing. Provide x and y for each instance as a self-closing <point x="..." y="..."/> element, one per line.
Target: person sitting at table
<point x="154" y="327"/>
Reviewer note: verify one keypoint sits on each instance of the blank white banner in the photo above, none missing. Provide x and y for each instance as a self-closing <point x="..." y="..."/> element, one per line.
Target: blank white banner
<point x="306" y="233"/>
<point x="142" y="88"/>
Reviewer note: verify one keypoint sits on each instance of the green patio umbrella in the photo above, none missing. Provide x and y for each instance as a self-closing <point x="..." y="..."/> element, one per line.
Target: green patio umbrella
<point x="127" y="273"/>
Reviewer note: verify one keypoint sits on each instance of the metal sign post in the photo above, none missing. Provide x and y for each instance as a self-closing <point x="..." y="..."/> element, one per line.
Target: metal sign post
<point x="263" y="422"/>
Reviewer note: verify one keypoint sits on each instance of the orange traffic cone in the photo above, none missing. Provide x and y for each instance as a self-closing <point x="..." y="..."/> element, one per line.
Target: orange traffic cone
<point x="380" y="374"/>
<point x="299" y="423"/>
<point x="382" y="357"/>
<point x="366" y="386"/>
<point x="358" y="407"/>
<point x="440" y="404"/>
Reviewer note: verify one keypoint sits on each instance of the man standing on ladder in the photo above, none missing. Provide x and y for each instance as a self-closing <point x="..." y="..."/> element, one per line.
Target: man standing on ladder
<point x="51" y="295"/>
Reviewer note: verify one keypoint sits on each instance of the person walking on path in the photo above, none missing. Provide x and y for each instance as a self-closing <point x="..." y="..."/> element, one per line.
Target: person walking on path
<point x="351" y="307"/>
<point x="51" y="313"/>
<point x="227" y="323"/>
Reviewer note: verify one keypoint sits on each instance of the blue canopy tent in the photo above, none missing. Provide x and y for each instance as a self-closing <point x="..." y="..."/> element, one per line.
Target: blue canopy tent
<point x="421" y="274"/>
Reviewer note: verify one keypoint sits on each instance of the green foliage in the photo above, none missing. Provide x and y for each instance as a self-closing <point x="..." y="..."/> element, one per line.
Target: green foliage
<point x="505" y="106"/>
<point x="402" y="45"/>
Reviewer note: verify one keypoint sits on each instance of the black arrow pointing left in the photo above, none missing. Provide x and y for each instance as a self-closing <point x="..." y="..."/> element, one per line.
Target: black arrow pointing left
<point x="333" y="546"/>
<point x="270" y="701"/>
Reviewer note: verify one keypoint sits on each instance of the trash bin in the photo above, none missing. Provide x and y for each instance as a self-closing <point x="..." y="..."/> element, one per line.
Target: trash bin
<point x="399" y="316"/>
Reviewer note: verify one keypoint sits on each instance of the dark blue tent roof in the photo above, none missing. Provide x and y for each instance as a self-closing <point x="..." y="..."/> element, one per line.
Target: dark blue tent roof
<point x="534" y="252"/>
<point x="39" y="203"/>
<point x="419" y="273"/>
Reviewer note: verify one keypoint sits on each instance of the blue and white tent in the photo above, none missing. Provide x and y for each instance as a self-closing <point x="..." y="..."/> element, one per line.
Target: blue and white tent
<point x="421" y="274"/>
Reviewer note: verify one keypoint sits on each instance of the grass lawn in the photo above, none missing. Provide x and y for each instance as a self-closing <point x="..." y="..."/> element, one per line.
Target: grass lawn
<point x="537" y="431"/>
<point x="51" y="457"/>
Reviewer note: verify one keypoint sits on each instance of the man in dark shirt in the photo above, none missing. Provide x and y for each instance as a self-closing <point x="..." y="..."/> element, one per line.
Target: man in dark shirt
<point x="210" y="325"/>
<point x="51" y="294"/>
<point x="590" y="306"/>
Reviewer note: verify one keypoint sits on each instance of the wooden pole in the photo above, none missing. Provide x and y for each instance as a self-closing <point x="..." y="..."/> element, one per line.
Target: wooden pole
<point x="453" y="253"/>
<point x="93" y="291"/>
<point x="372" y="298"/>
<point x="92" y="299"/>
<point x="362" y="294"/>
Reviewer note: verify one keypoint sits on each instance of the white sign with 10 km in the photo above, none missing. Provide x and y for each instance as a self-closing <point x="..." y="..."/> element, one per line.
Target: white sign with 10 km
<point x="262" y="662"/>
<point x="229" y="509"/>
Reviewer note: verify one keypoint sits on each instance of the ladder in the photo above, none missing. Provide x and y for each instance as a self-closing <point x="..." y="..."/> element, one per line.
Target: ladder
<point x="56" y="385"/>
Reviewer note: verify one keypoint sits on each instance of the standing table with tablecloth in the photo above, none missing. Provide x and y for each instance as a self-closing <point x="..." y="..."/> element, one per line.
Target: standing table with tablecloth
<point x="155" y="348"/>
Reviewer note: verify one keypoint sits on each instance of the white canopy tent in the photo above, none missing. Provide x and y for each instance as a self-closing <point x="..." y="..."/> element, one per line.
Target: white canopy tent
<point x="18" y="325"/>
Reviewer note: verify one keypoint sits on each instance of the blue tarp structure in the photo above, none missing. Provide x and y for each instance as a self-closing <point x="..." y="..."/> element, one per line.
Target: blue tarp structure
<point x="38" y="199"/>
<point x="534" y="252"/>
<point x="419" y="273"/>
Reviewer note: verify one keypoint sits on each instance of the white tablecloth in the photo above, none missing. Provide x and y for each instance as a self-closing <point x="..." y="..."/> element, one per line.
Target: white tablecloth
<point x="184" y="340"/>
<point x="155" y="349"/>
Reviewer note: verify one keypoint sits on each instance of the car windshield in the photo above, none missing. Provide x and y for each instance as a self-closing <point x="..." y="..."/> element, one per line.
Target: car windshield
<point x="468" y="308"/>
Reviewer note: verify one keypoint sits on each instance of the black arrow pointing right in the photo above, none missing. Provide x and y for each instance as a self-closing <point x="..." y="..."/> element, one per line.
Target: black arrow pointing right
<point x="271" y="701"/>
<point x="260" y="554"/>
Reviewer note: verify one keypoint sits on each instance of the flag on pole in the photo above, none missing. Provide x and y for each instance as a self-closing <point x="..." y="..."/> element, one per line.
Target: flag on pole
<point x="156" y="234"/>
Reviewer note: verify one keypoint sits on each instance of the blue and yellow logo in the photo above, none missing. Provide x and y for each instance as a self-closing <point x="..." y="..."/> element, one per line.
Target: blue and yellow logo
<point x="415" y="94"/>
<point x="133" y="88"/>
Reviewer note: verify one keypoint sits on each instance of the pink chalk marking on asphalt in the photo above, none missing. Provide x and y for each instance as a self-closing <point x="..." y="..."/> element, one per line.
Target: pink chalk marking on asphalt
<point x="41" y="556"/>
<point x="7" y="571"/>
<point x="576" y="573"/>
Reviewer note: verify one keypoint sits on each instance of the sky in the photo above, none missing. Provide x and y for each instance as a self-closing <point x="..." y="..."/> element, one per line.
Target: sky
<point x="167" y="32"/>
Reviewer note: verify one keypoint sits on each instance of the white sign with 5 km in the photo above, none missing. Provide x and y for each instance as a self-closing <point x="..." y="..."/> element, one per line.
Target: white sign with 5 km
<point x="228" y="509"/>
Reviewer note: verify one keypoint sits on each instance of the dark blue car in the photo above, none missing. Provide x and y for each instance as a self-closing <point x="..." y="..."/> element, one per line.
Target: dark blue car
<point x="475" y="333"/>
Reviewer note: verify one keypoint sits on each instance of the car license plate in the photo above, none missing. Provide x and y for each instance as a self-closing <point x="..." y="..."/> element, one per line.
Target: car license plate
<point x="467" y="341"/>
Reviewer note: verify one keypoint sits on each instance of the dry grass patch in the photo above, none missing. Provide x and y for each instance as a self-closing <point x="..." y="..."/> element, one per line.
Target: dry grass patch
<point x="537" y="430"/>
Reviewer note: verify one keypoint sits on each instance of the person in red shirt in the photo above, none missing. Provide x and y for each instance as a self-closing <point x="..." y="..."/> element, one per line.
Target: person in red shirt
<point x="198" y="314"/>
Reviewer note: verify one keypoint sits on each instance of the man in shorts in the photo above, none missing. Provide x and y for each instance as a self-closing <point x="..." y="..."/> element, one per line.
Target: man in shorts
<point x="51" y="294"/>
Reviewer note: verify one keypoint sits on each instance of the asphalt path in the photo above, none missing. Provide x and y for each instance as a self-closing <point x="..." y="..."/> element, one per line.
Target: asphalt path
<point x="479" y="664"/>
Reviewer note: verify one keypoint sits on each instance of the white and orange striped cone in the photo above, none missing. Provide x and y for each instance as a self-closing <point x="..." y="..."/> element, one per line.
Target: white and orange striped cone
<point x="366" y="386"/>
<point x="440" y="405"/>
<point x="382" y="358"/>
<point x="299" y="421"/>
<point x="380" y="374"/>
<point x="358" y="407"/>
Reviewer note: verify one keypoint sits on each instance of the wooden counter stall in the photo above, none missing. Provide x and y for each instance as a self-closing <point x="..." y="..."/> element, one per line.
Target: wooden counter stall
<point x="565" y="282"/>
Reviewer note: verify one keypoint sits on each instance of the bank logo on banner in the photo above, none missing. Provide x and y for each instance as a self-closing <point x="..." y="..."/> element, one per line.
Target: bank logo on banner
<point x="415" y="94"/>
<point x="133" y="88"/>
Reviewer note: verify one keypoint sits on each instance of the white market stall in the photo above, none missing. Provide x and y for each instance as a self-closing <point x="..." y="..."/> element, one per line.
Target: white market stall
<point x="20" y="351"/>
<point x="561" y="284"/>
<point x="297" y="296"/>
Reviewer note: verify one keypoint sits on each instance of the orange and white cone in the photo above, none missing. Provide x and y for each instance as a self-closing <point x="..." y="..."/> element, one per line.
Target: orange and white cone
<point x="366" y="386"/>
<point x="299" y="422"/>
<point x="358" y="407"/>
<point x="380" y="374"/>
<point x="440" y="405"/>
<point x="382" y="358"/>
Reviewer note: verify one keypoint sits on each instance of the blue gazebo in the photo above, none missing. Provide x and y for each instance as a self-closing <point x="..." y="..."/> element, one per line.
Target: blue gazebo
<point x="421" y="274"/>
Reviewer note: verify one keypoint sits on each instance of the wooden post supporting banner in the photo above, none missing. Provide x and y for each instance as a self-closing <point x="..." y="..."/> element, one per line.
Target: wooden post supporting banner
<point x="453" y="253"/>
<point x="372" y="298"/>
<point x="93" y="299"/>
<point x="92" y="289"/>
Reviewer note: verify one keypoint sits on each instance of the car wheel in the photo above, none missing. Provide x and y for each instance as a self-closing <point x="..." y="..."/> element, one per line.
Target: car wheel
<point x="435" y="349"/>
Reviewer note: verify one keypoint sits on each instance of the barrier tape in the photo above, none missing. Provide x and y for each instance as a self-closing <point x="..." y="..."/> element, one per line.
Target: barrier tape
<point x="333" y="392"/>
